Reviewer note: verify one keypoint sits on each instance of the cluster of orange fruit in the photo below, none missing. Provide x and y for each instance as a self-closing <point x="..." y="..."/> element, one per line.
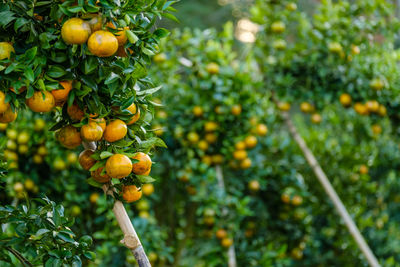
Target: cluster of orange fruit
<point x="225" y="240"/>
<point x="369" y="107"/>
<point x="295" y="200"/>
<point x="101" y="42"/>
<point x="310" y="109"/>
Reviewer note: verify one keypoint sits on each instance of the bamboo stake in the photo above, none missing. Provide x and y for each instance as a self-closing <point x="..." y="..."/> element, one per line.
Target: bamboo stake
<point x="221" y="184"/>
<point x="131" y="239"/>
<point x="323" y="179"/>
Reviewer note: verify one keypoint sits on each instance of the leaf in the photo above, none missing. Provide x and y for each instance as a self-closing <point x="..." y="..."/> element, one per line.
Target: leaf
<point x="161" y="33"/>
<point x="29" y="75"/>
<point x="56" y="72"/>
<point x="90" y="255"/>
<point x="6" y="17"/>
<point x="112" y="78"/>
<point x="65" y="238"/>
<point x="94" y="183"/>
<point x="154" y="141"/>
<point x="42" y="231"/>
<point x="149" y="91"/>
<point x="145" y="179"/>
<point x="105" y="154"/>
<point x="131" y="36"/>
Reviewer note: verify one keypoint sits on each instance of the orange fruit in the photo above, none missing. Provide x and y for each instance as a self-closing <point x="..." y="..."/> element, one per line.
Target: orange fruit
<point x="94" y="197"/>
<point x="103" y="44"/>
<point x="69" y="137"/>
<point x="75" y="112"/>
<point x="96" y="175"/>
<point x="345" y="99"/>
<point x="3" y="105"/>
<point x="284" y="106"/>
<point x="118" y="166"/>
<point x="376" y="129"/>
<point x="212" y="68"/>
<point x="121" y="35"/>
<point x="8" y="116"/>
<point x="115" y="130"/>
<point x="262" y="129"/>
<point x="5" y="50"/>
<point x="240" y="154"/>
<point x="316" y="118"/>
<point x="236" y="110"/>
<point x="361" y="109"/>
<point x="147" y="189"/>
<point x="131" y="193"/>
<point x="202" y="145"/>
<point x="382" y="110"/>
<point x="100" y="121"/>
<point x="91" y="132"/>
<point x="355" y="50"/>
<point x="211" y="138"/>
<point x="240" y="145"/>
<point x="41" y="101"/>
<point x="221" y="234"/>
<point x="75" y="31"/>
<point x="250" y="141"/>
<point x="136" y="114"/>
<point x="297" y="200"/>
<point x="254" y="185"/>
<point x="197" y="111"/>
<point x="210" y="126"/>
<point x="85" y="159"/>
<point x="61" y="95"/>
<point x="306" y="107"/>
<point x="285" y="198"/>
<point x="217" y="159"/>
<point x="143" y="166"/>
<point x="377" y="84"/>
<point x="372" y="106"/>
<point x="193" y="137"/>
<point x="160" y="58"/>
<point x="227" y="242"/>
<point x="363" y="169"/>
<point x="246" y="163"/>
<point x="95" y="23"/>
<point x="278" y="27"/>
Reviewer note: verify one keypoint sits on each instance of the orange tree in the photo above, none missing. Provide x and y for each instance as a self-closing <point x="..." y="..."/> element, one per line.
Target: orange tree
<point x="220" y="127"/>
<point x="86" y="62"/>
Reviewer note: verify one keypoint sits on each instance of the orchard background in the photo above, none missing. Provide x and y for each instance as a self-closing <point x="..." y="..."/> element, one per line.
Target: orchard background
<point x="182" y="111"/>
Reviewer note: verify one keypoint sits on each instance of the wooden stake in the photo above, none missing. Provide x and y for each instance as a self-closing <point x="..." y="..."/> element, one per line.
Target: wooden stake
<point x="221" y="184"/>
<point x="330" y="191"/>
<point x="131" y="239"/>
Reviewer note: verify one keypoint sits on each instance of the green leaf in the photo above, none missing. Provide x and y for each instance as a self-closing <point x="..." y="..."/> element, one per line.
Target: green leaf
<point x="145" y="179"/>
<point x="149" y="91"/>
<point x="42" y="231"/>
<point x="56" y="72"/>
<point x="65" y="237"/>
<point x="154" y="141"/>
<point x="90" y="255"/>
<point x="161" y="33"/>
<point x="29" y="74"/>
<point x="112" y="78"/>
<point x="105" y="154"/>
<point x="94" y="183"/>
<point x="131" y="36"/>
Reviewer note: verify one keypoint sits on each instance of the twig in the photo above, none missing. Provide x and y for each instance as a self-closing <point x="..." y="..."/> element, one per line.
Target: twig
<point x="330" y="191"/>
<point x="19" y="256"/>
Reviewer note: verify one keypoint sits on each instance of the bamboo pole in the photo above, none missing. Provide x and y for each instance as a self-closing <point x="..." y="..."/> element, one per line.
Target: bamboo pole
<point x="221" y="184"/>
<point x="131" y="239"/>
<point x="330" y="191"/>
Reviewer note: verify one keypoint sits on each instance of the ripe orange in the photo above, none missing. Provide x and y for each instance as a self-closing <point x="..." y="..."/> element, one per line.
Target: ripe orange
<point x="306" y="107"/>
<point x="118" y="166"/>
<point x="147" y="189"/>
<point x="136" y="114"/>
<point x="221" y="233"/>
<point x="278" y="27"/>
<point x="61" y="95"/>
<point x="131" y="193"/>
<point x="8" y="116"/>
<point x="5" y="50"/>
<point x="95" y="23"/>
<point x="69" y="137"/>
<point x="85" y="159"/>
<point x="246" y="163"/>
<point x="3" y="105"/>
<point x="240" y="145"/>
<point x="100" y="121"/>
<point x="240" y="154"/>
<point x="160" y="58"/>
<point x="75" y="31"/>
<point x="376" y="129"/>
<point x="363" y="169"/>
<point x="75" y="112"/>
<point x="262" y="129"/>
<point x="96" y="175"/>
<point x="285" y="198"/>
<point x="372" y="106"/>
<point x="103" y="44"/>
<point x="254" y="185"/>
<point x="345" y="99"/>
<point x="355" y="50"/>
<point x="284" y="106"/>
<point x="210" y="126"/>
<point x="206" y="160"/>
<point x="212" y="68"/>
<point x="115" y="130"/>
<point x="193" y="137"/>
<point x="377" y="84"/>
<point x="144" y="164"/>
<point x="91" y="132"/>
<point x="94" y="197"/>
<point x="236" y="110"/>
<point x="202" y="145"/>
<point x="316" y="118"/>
<point x="250" y="141"/>
<point x="360" y="109"/>
<point x="382" y="110"/>
<point x="41" y="101"/>
<point x="121" y="35"/>
<point x="226" y="242"/>
<point x="297" y="200"/>
<point x="197" y="111"/>
<point x="217" y="159"/>
<point x="211" y="138"/>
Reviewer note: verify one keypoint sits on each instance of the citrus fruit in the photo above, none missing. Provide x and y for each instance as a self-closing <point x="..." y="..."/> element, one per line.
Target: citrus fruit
<point x="240" y="154"/>
<point x="246" y="163"/>
<point x="221" y="234"/>
<point x="136" y="114"/>
<point x="69" y="137"/>
<point x="75" y="112"/>
<point x="118" y="166"/>
<point x="120" y="35"/>
<point x="5" y="50"/>
<point x="236" y="110"/>
<point x="75" y="31"/>
<point x="345" y="99"/>
<point x="85" y="159"/>
<point x="262" y="129"/>
<point x="99" y="121"/>
<point x="144" y="164"/>
<point x="96" y="175"/>
<point x="250" y="141"/>
<point x="3" y="105"/>
<point x="131" y="193"/>
<point x="147" y="189"/>
<point x="278" y="27"/>
<point x="41" y="101"/>
<point x="160" y="58"/>
<point x="115" y="130"/>
<point x="91" y="132"/>
<point x="226" y="242"/>
<point x="103" y="44"/>
<point x="8" y="116"/>
<point x="212" y="68"/>
<point x="61" y="95"/>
